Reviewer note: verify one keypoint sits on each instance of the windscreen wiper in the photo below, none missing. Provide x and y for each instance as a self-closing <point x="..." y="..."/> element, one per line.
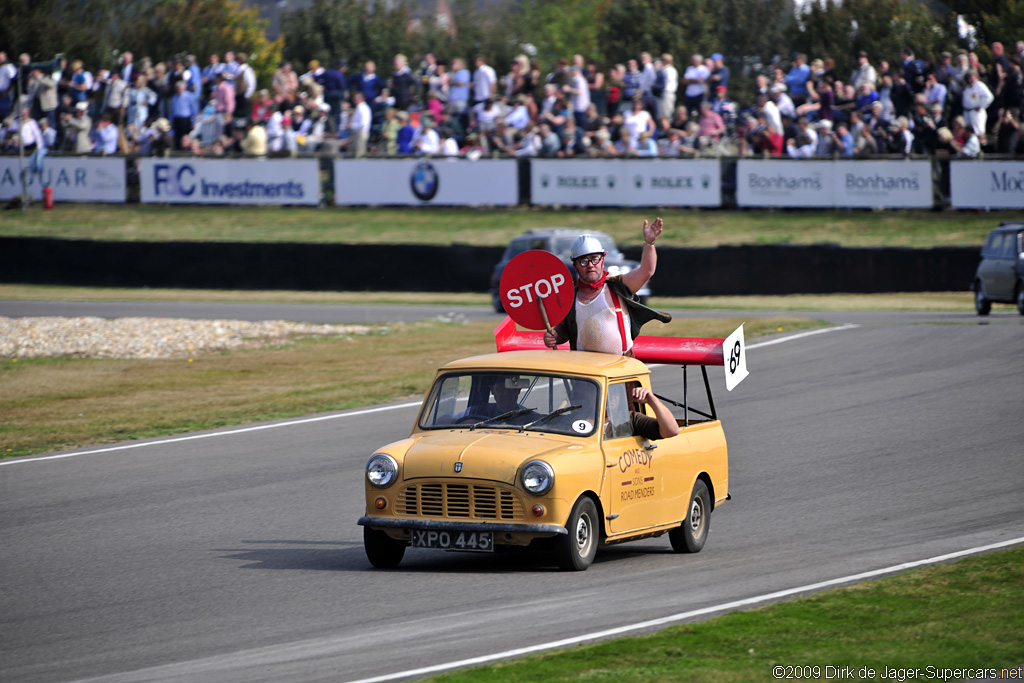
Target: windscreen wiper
<point x="553" y="413"/>
<point x="503" y="416"/>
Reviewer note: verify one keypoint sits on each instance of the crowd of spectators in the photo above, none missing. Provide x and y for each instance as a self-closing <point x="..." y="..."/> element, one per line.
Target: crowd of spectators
<point x="950" y="104"/>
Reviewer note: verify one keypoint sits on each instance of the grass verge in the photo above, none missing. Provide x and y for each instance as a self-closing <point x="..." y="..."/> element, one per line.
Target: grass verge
<point x="905" y="301"/>
<point x="952" y="617"/>
<point x="683" y="227"/>
<point x="57" y="403"/>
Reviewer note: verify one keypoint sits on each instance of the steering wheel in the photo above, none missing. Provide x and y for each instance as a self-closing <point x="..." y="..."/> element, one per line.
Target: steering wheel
<point x="472" y="417"/>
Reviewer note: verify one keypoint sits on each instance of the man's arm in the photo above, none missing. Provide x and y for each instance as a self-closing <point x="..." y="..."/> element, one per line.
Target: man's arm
<point x="635" y="279"/>
<point x="667" y="425"/>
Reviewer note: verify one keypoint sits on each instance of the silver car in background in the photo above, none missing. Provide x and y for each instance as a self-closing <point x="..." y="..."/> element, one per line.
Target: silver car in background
<point x="559" y="241"/>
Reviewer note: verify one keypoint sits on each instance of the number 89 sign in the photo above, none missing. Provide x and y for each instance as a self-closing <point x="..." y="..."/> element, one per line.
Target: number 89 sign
<point x="536" y="289"/>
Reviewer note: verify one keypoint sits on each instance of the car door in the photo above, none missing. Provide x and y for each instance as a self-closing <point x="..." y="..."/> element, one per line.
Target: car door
<point x="992" y="270"/>
<point x="632" y="468"/>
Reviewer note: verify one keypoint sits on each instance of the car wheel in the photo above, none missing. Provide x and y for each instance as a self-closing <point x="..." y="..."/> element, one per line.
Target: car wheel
<point x="383" y="551"/>
<point x="981" y="304"/>
<point x="1020" y="297"/>
<point x="689" y="537"/>
<point x="577" y="549"/>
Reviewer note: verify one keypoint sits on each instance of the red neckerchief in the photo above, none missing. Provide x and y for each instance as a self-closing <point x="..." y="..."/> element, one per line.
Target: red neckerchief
<point x="597" y="285"/>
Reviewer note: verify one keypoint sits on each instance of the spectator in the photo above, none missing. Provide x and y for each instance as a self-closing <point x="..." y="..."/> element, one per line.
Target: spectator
<point x="8" y="85"/>
<point x="724" y="107"/>
<point x="255" y="142"/>
<point x="636" y="122"/>
<point x="224" y="100"/>
<point x="403" y="84"/>
<point x="719" y="76"/>
<point x="670" y="76"/>
<point x="183" y="114"/>
<point x="362" y="120"/>
<point x="695" y="78"/>
<point x="139" y="99"/>
<point x="783" y="101"/>
<point x="406" y="134"/>
<point x="865" y="146"/>
<point x="596" y="86"/>
<point x="901" y="140"/>
<point x="842" y="140"/>
<point x="712" y="127"/>
<point x="285" y="84"/>
<point x="210" y="73"/>
<point x="195" y="80"/>
<point x="458" y="90"/>
<point x="934" y="91"/>
<point x="796" y="79"/>
<point x="77" y="128"/>
<point x="912" y="70"/>
<point x="864" y="73"/>
<point x="115" y="98"/>
<point x="427" y="141"/>
<point x="964" y="139"/>
<point x="81" y="82"/>
<point x="106" y="136"/>
<point x="485" y="81"/>
<point x="245" y="86"/>
<point x="976" y="100"/>
<point x="262" y="107"/>
<point x="632" y="86"/>
<point x="579" y="94"/>
<point x="44" y="91"/>
<point x="826" y="144"/>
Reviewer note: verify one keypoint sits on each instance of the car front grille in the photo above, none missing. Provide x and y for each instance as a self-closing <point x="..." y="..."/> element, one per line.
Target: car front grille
<point x="468" y="501"/>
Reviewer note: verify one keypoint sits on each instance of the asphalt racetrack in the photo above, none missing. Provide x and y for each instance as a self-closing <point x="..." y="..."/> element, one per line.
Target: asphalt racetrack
<point x="234" y="555"/>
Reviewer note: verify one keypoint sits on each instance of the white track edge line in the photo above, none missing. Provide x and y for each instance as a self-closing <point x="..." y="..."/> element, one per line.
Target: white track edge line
<point x="682" y="616"/>
<point x="291" y="423"/>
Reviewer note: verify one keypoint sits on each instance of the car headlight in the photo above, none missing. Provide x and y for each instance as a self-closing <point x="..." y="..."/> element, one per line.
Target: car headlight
<point x="618" y="270"/>
<point x="538" y="477"/>
<point x="381" y="470"/>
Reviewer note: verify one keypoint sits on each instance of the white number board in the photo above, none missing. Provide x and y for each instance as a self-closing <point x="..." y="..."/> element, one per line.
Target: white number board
<point x="734" y="355"/>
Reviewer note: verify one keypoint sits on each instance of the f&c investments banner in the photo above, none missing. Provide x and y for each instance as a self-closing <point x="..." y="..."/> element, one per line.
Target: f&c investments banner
<point x="238" y="181"/>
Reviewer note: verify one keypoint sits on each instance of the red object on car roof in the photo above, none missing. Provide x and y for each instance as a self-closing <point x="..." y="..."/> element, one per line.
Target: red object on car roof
<point x="666" y="350"/>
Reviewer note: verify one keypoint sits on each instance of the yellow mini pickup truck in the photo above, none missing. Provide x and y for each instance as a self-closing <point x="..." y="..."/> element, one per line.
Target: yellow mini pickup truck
<point x="537" y="448"/>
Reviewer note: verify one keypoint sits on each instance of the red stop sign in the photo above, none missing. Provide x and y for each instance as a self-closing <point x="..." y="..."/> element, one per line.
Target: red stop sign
<point x="533" y="280"/>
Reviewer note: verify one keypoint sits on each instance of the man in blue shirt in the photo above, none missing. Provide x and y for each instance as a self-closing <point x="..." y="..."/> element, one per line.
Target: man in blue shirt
<point x="796" y="79"/>
<point x="183" y="113"/>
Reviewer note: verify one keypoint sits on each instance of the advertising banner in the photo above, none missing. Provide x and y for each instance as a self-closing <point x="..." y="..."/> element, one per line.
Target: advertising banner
<point x="230" y="181"/>
<point x="421" y="182"/>
<point x="785" y="183"/>
<point x="833" y="184"/>
<point x="626" y="182"/>
<point x="902" y="184"/>
<point x="986" y="184"/>
<point x="73" y="179"/>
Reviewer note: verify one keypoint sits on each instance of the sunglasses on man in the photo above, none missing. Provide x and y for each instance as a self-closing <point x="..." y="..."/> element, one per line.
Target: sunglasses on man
<point x="587" y="260"/>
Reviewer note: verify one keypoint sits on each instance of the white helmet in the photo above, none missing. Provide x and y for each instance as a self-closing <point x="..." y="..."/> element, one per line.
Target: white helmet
<point x="586" y="244"/>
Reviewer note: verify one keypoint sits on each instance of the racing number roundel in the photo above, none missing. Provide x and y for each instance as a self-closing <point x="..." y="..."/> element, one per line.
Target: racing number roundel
<point x="533" y="279"/>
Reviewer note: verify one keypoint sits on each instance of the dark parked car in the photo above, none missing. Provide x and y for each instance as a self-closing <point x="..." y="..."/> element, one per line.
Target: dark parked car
<point x="559" y="242"/>
<point x="1000" y="276"/>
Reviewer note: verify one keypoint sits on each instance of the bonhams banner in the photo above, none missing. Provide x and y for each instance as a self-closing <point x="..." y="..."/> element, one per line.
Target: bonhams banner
<point x="73" y="179"/>
<point x="426" y="182"/>
<point x="626" y="182"/>
<point x="834" y="184"/>
<point x="986" y="184"/>
<point x="230" y="181"/>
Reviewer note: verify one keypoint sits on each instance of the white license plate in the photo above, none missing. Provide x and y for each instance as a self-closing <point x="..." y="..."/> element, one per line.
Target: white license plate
<point x="475" y="541"/>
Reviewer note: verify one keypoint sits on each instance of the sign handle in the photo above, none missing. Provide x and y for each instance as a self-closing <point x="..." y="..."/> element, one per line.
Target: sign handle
<point x="544" y="314"/>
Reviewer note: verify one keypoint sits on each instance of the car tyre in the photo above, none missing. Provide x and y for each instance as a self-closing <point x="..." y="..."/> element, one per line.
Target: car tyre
<point x="981" y="304"/>
<point x="1020" y="297"/>
<point x="576" y="550"/>
<point x="383" y="551"/>
<point x="689" y="537"/>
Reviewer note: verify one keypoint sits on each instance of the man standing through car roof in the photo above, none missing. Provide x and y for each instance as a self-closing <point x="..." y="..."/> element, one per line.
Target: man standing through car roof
<point x="606" y="315"/>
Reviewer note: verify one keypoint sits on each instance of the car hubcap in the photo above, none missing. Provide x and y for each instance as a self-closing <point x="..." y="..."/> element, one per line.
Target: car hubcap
<point x="696" y="515"/>
<point x="583" y="534"/>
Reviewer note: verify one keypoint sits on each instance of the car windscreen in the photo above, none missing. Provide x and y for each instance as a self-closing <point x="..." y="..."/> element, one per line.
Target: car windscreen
<point x="561" y="404"/>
